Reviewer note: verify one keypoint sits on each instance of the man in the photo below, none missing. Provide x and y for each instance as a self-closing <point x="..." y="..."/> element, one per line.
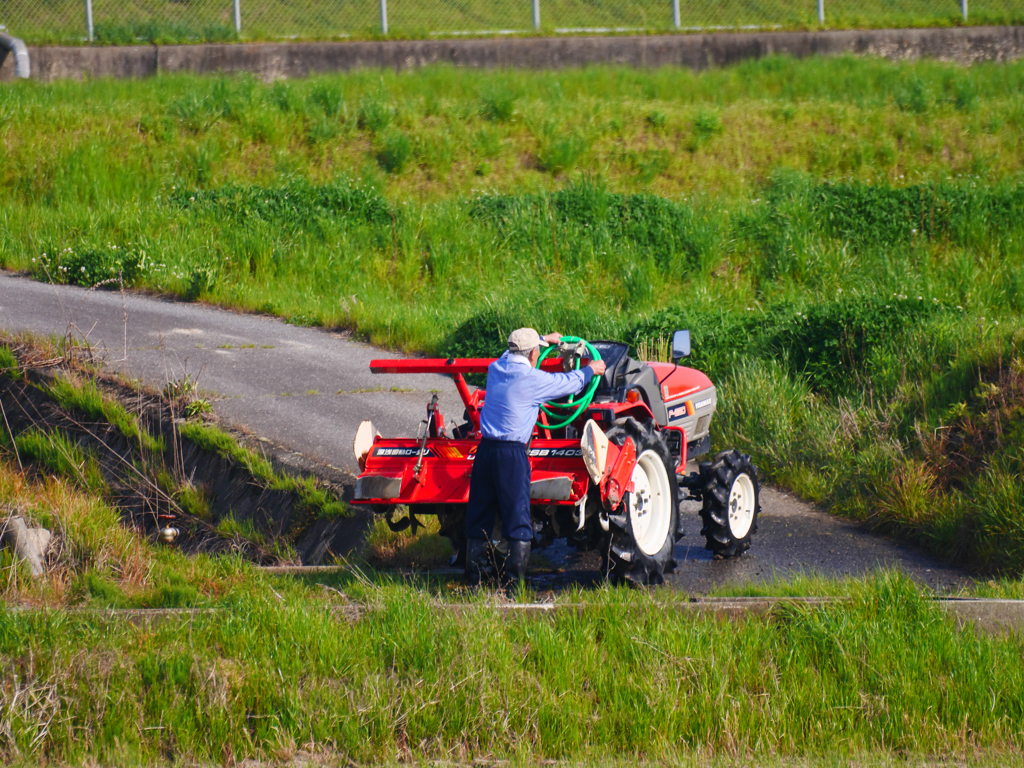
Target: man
<point x="516" y="389"/>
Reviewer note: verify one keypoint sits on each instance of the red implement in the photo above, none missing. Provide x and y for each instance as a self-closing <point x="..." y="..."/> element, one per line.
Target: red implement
<point x="558" y="476"/>
<point x="389" y="473"/>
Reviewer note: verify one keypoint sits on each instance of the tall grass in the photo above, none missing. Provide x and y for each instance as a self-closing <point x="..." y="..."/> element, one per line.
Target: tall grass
<point x="266" y="677"/>
<point x="273" y="666"/>
<point x="123" y="141"/>
<point x="86" y="399"/>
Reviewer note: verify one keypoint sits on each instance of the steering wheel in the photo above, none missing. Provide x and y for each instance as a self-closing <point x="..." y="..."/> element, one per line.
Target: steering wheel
<point x="570" y="410"/>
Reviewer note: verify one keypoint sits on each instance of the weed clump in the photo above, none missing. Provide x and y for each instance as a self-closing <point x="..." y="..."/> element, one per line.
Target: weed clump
<point x="375" y="115"/>
<point x="329" y="98"/>
<point x="56" y="452"/>
<point x="706" y="125"/>
<point x="558" y="154"/>
<point x="200" y="282"/>
<point x="395" y="152"/>
<point x="109" y="265"/>
<point x="212" y="439"/>
<point x="297" y="203"/>
<point x="9" y="364"/>
<point x="89" y="401"/>
<point x="498" y="104"/>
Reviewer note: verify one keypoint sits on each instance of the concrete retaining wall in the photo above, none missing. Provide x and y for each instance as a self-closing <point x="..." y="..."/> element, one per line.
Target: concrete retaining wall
<point x="272" y="61"/>
<point x="981" y="615"/>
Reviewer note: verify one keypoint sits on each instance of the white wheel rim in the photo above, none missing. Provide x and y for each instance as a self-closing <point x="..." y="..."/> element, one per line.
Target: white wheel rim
<point x="650" y="508"/>
<point x="741" y="506"/>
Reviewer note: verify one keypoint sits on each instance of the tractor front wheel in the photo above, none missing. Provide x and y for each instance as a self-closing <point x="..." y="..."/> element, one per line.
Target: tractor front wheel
<point x="641" y="531"/>
<point x="730" y="492"/>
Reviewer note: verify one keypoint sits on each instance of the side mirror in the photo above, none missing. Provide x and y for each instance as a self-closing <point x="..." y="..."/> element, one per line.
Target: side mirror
<point x="680" y="344"/>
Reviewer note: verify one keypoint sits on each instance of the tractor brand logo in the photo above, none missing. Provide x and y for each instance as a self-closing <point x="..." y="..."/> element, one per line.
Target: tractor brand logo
<point x="679" y="412"/>
<point x="687" y="408"/>
<point x="562" y="453"/>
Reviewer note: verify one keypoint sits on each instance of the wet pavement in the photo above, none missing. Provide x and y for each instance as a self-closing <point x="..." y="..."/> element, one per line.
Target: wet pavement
<point x="794" y="539"/>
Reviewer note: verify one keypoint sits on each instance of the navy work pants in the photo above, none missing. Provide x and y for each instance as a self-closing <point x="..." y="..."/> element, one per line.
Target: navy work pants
<point x="500" y="483"/>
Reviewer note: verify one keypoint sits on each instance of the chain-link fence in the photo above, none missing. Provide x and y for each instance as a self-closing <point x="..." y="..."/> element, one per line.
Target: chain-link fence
<point x="127" y="22"/>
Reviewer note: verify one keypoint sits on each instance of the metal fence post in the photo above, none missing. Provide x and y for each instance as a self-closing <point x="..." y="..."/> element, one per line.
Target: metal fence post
<point x="536" y="14"/>
<point x="383" y="17"/>
<point x="88" y="18"/>
<point x="821" y="11"/>
<point x="237" y="6"/>
<point x="963" y="7"/>
<point x="675" y="14"/>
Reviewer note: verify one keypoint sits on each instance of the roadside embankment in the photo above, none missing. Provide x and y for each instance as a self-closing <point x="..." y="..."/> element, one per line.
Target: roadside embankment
<point x="273" y="61"/>
<point x="156" y="460"/>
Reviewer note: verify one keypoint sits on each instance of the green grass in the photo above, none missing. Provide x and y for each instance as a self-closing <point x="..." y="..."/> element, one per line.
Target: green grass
<point x="8" y="364"/>
<point x="229" y="526"/>
<point x="87" y="399"/>
<point x="211" y="438"/>
<point x="275" y="669"/>
<point x="193" y="500"/>
<point x="56" y="453"/>
<point x="127" y="142"/>
<point x="273" y="666"/>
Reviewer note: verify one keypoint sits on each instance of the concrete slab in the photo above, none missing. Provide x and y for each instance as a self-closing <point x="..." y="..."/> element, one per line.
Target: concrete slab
<point x="271" y="61"/>
<point x="989" y="616"/>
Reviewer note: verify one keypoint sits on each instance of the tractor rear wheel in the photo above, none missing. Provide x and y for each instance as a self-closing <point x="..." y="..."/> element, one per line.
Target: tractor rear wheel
<point x="730" y="492"/>
<point x="641" y="531"/>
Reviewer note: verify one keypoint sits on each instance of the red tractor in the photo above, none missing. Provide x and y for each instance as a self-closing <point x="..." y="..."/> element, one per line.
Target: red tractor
<point x="610" y="476"/>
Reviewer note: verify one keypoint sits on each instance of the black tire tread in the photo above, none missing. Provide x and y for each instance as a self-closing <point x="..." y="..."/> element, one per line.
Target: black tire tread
<point x="717" y="477"/>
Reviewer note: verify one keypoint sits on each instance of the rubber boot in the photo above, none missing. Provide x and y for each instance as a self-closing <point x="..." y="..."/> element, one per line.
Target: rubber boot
<point x="515" y="565"/>
<point x="476" y="561"/>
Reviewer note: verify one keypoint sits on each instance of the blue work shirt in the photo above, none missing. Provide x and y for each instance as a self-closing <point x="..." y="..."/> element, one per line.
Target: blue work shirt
<point x="515" y="390"/>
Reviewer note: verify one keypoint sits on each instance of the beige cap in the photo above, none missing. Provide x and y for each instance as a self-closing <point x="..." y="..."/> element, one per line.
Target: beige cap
<point x="525" y="339"/>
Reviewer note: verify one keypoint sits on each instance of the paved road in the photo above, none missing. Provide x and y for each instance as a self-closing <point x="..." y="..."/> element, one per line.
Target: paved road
<point x="302" y="388"/>
<point x="283" y="382"/>
<point x="793" y="539"/>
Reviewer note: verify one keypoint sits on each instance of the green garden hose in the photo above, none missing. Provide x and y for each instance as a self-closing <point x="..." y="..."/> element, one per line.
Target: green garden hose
<point x="586" y="397"/>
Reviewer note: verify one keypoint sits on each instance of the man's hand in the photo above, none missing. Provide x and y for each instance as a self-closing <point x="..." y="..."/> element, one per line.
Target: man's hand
<point x="597" y="366"/>
<point x="553" y="338"/>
